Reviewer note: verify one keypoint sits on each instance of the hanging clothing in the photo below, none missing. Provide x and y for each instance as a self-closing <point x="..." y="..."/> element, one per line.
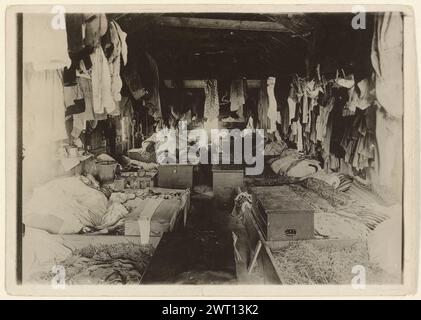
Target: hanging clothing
<point x="263" y="106"/>
<point x="367" y="93"/>
<point x="44" y="107"/>
<point x="103" y="101"/>
<point x="211" y="109"/>
<point x="79" y="120"/>
<point x="273" y="106"/>
<point x="305" y="108"/>
<point x="292" y="104"/>
<point x="116" y="42"/>
<point x="73" y="100"/>
<point x="237" y="96"/>
<point x="96" y="26"/>
<point x="74" y="22"/>
<point x="321" y="122"/>
<point x="299" y="137"/>
<point x="44" y="47"/>
<point x="154" y="102"/>
<point x="387" y="60"/>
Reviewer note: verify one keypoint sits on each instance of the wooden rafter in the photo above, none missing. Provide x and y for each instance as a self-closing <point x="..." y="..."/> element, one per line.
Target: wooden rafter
<point x="204" y="23"/>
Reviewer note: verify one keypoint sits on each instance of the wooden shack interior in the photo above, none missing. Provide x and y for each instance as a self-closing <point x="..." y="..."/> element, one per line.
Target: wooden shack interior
<point x="322" y="91"/>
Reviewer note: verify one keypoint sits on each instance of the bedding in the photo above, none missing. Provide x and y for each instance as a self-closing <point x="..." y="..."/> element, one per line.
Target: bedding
<point x="84" y="259"/>
<point x="69" y="206"/>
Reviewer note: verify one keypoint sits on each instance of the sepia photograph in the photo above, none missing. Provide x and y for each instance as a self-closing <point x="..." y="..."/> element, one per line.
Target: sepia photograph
<point x="210" y="147"/>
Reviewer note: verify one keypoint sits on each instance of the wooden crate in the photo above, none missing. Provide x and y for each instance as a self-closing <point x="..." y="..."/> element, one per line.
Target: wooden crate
<point x="281" y="214"/>
<point x="226" y="178"/>
<point x="176" y="176"/>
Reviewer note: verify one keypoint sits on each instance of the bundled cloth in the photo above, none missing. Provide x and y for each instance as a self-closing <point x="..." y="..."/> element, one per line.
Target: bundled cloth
<point x="65" y="206"/>
<point x="242" y="201"/>
<point x="336" y="181"/>
<point x="135" y="164"/>
<point x="294" y="165"/>
<point x="275" y="148"/>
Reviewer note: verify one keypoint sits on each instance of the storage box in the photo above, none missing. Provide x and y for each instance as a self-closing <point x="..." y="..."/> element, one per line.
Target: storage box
<point x="133" y="181"/>
<point x="226" y="178"/>
<point x="282" y="215"/>
<point x="175" y="176"/>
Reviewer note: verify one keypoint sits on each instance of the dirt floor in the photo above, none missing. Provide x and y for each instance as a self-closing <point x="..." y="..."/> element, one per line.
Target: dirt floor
<point x="201" y="253"/>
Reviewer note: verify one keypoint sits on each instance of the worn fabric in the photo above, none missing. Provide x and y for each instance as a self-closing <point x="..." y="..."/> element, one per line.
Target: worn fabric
<point x="294" y="165"/>
<point x="101" y="83"/>
<point x="211" y="109"/>
<point x="154" y="102"/>
<point x="263" y="106"/>
<point x="387" y="60"/>
<point x="118" y="45"/>
<point x="237" y="96"/>
<point x="79" y="120"/>
<point x="75" y="206"/>
<point x="95" y="27"/>
<point x="292" y="103"/>
<point x="272" y="108"/>
<point x="367" y="93"/>
<point x="74" y="23"/>
<point x="44" y="47"/>
<point x="359" y="140"/>
<point x="321" y="122"/>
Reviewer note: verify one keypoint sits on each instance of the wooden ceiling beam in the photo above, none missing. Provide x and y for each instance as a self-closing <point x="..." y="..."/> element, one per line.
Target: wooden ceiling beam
<point x="204" y="23"/>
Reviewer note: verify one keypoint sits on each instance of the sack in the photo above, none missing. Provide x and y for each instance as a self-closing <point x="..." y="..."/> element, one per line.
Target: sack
<point x="65" y="206"/>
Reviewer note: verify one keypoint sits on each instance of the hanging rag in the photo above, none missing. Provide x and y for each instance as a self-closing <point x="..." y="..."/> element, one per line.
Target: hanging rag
<point x="116" y="43"/>
<point x="263" y="106"/>
<point x="79" y="120"/>
<point x="292" y="104"/>
<point x="44" y="47"/>
<point x="321" y="122"/>
<point x="74" y="22"/>
<point x="154" y="102"/>
<point x="387" y="60"/>
<point x="103" y="101"/>
<point x="237" y="96"/>
<point x="96" y="26"/>
<point x="211" y="109"/>
<point x="273" y="106"/>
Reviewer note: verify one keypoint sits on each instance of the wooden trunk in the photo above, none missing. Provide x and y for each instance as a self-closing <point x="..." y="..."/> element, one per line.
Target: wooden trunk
<point x="281" y="214"/>
<point x="175" y="176"/>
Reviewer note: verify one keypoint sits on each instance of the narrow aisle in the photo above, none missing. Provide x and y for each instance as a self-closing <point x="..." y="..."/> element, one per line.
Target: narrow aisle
<point x="202" y="253"/>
